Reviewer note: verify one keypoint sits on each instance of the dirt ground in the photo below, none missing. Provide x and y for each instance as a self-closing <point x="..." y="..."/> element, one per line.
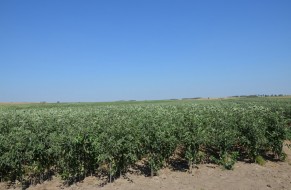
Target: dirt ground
<point x="273" y="175"/>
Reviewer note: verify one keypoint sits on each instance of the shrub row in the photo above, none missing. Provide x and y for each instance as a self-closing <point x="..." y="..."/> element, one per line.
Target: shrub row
<point x="78" y="141"/>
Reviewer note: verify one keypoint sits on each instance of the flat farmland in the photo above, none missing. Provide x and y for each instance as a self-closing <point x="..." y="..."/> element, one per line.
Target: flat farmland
<point x="202" y="144"/>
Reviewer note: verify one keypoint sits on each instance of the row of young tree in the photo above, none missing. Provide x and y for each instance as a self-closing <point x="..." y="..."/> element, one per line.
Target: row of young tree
<point x="74" y="142"/>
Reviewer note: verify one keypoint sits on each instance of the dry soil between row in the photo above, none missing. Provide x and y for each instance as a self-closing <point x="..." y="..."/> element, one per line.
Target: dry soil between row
<point x="273" y="175"/>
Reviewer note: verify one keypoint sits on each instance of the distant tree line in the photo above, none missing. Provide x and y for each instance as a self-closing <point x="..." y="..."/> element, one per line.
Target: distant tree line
<point x="259" y="95"/>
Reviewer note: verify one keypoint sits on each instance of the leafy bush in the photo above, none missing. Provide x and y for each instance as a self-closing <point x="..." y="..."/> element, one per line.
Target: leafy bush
<point x="79" y="140"/>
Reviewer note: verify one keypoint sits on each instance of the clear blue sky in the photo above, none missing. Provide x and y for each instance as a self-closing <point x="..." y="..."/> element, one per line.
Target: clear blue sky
<point x="105" y="50"/>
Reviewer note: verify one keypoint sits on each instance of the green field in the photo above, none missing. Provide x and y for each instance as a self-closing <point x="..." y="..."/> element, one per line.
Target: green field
<point x="74" y="140"/>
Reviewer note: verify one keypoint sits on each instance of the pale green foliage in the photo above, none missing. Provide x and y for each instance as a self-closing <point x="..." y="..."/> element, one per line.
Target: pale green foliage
<point x="75" y="141"/>
<point x="260" y="160"/>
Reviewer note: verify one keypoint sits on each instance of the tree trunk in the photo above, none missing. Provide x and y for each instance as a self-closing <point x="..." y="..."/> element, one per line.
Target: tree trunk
<point x="110" y="176"/>
<point x="190" y="164"/>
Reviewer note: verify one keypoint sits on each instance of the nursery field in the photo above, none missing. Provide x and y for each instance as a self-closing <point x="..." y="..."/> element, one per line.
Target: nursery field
<point x="76" y="140"/>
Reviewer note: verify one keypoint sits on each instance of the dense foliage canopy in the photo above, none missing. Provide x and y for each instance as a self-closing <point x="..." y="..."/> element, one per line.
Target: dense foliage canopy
<point x="75" y="140"/>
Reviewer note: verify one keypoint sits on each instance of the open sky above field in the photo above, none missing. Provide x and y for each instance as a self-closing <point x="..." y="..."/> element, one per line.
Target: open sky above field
<point x="109" y="50"/>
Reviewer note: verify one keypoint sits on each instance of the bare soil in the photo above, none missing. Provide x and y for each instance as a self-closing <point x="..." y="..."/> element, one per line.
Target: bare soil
<point x="273" y="175"/>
